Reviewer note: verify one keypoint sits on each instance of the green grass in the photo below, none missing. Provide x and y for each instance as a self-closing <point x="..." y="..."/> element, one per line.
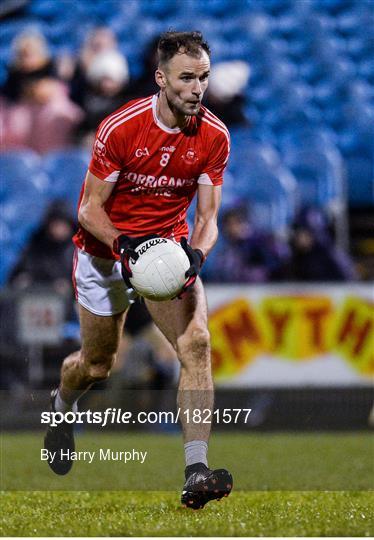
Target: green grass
<point x="159" y="514"/>
<point x="284" y="485"/>
<point x="271" y="461"/>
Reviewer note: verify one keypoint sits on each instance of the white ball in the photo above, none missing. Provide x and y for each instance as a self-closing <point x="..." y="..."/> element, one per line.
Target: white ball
<point x="159" y="272"/>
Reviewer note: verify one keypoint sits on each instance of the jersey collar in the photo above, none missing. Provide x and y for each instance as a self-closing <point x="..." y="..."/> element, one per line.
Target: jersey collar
<point x="158" y="121"/>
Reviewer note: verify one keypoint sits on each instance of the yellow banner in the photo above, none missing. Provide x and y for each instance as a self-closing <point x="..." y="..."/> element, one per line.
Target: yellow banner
<point x="294" y="328"/>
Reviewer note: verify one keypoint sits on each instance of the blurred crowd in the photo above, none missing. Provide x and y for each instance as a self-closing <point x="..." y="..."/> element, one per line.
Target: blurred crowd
<point x="49" y="103"/>
<point x="64" y="99"/>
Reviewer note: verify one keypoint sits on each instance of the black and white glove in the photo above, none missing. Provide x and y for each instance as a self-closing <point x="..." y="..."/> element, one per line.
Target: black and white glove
<point x="196" y="258"/>
<point x="125" y="246"/>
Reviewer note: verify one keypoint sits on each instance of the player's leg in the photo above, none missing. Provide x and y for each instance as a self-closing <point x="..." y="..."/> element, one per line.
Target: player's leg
<point x="92" y="363"/>
<point x="184" y="323"/>
<point x="102" y="302"/>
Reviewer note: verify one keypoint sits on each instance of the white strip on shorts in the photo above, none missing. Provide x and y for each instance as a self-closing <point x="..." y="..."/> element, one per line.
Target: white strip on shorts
<point x="98" y="283"/>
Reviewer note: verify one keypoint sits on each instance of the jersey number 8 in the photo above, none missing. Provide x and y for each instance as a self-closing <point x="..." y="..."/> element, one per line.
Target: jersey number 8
<point x="164" y="159"/>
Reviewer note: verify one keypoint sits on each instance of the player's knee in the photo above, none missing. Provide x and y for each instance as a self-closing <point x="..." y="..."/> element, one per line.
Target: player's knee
<point x="194" y="345"/>
<point x="98" y="371"/>
<point x="97" y="368"/>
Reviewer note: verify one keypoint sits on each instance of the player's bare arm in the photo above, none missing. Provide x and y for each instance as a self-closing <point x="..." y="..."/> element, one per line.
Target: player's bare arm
<point x="92" y="215"/>
<point x="205" y="231"/>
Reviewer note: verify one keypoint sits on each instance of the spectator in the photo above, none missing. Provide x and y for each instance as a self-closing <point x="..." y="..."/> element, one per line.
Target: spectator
<point x="44" y="120"/>
<point x="31" y="62"/>
<point x="146" y="84"/>
<point x="47" y="259"/>
<point x="314" y="255"/>
<point x="107" y="76"/>
<point x="101" y="39"/>
<point x="224" y="96"/>
<point x="247" y="255"/>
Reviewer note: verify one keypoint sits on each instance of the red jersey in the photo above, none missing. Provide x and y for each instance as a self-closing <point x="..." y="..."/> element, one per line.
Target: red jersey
<point x="156" y="170"/>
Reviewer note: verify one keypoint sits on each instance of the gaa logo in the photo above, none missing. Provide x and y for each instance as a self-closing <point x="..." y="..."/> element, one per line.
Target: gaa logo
<point x="100" y="148"/>
<point x="190" y="156"/>
<point x="139" y="152"/>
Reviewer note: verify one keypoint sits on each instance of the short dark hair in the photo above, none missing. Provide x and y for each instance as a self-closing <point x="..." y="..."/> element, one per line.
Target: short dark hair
<point x="172" y="43"/>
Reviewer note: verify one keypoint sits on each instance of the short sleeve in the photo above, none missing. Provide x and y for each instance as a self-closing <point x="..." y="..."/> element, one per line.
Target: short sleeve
<point x="105" y="161"/>
<point x="217" y="161"/>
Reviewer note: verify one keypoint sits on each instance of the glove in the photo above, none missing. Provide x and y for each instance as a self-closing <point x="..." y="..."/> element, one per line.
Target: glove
<point x="196" y="258"/>
<point x="125" y="247"/>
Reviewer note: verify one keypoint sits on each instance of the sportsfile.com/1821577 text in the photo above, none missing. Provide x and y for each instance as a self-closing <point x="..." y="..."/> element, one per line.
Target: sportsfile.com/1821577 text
<point x="118" y="416"/>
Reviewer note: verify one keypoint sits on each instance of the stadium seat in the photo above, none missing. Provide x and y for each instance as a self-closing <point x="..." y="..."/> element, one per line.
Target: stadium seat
<point x="272" y="197"/>
<point x="10" y="28"/>
<point x="22" y="173"/>
<point x="357" y="46"/>
<point x="46" y="9"/>
<point x="366" y="69"/>
<point x="260" y="178"/>
<point x="159" y="9"/>
<point x="23" y="199"/>
<point x="67" y="170"/>
<point x="311" y="65"/>
<point x="360" y="181"/>
<point x="218" y="8"/>
<point x="319" y="174"/>
<point x="359" y="91"/>
<point x="334" y="6"/>
<point x="318" y="139"/>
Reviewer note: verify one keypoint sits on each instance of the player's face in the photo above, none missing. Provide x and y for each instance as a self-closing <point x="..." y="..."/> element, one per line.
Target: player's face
<point x="186" y="79"/>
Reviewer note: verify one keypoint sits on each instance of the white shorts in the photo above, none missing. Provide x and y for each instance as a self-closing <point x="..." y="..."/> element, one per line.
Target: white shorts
<point x="98" y="284"/>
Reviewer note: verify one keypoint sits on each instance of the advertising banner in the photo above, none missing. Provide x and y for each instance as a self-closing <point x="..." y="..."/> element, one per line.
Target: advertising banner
<point x="292" y="335"/>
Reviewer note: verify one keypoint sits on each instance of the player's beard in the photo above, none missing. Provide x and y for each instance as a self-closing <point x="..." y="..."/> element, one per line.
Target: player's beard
<point x="180" y="110"/>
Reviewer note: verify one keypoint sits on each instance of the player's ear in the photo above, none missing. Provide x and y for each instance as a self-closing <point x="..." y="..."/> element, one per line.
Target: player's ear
<point x="160" y="78"/>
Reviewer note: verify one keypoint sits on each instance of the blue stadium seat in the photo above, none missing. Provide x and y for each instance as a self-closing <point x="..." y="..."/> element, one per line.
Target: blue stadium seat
<point x="357" y="46"/>
<point x="287" y="25"/>
<point x="334" y="6"/>
<point x="342" y="70"/>
<point x="159" y="9"/>
<point x="326" y="92"/>
<point x="279" y="72"/>
<point x="277" y="7"/>
<point x="311" y="64"/>
<point x="46" y="9"/>
<point x="67" y="170"/>
<point x="319" y="174"/>
<point x="258" y="26"/>
<point x="271" y="194"/>
<point x="289" y="117"/>
<point x="320" y="24"/>
<point x="359" y="91"/>
<point x="356" y="21"/>
<point x="23" y="199"/>
<point x="218" y="8"/>
<point x="259" y="177"/>
<point x="318" y="139"/>
<point x="21" y="173"/>
<point x="366" y="69"/>
<point x="357" y="142"/>
<point x="10" y="28"/>
<point x="360" y="180"/>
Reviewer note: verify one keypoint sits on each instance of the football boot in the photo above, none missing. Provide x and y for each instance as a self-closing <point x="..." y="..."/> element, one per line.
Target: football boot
<point x="203" y="485"/>
<point x="59" y="440"/>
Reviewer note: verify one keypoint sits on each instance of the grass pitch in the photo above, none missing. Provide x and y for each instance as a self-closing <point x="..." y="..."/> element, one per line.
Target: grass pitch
<point x="332" y="473"/>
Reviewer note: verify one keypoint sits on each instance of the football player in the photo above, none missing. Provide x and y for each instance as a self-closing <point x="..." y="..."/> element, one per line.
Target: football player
<point x="150" y="158"/>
